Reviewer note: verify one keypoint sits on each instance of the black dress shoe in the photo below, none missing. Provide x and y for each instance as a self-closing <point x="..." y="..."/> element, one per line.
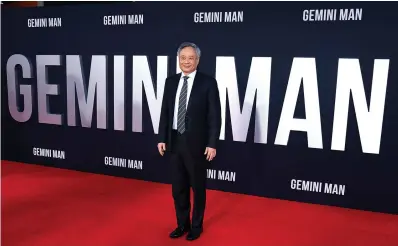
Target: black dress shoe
<point x="179" y="231"/>
<point x="194" y="234"/>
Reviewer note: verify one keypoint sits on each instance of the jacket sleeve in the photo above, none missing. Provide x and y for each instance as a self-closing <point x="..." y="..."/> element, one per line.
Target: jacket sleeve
<point x="164" y="117"/>
<point x="213" y="114"/>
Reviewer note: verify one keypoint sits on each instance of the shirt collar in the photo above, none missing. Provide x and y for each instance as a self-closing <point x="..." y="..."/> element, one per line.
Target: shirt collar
<point x="191" y="75"/>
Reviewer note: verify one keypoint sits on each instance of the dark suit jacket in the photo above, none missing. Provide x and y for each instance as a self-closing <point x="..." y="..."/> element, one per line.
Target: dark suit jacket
<point x="203" y="116"/>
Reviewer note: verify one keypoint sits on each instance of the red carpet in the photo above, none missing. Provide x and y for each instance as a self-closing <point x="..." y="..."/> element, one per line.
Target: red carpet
<point x="53" y="207"/>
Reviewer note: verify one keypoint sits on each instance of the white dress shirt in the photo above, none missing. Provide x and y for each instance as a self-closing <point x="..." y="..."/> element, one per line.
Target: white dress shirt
<point x="181" y="82"/>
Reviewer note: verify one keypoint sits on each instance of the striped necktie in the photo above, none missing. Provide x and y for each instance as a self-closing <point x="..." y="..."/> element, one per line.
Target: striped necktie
<point x="182" y="106"/>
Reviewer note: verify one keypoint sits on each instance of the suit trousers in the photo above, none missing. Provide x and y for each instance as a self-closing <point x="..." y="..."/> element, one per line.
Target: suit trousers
<point x="188" y="171"/>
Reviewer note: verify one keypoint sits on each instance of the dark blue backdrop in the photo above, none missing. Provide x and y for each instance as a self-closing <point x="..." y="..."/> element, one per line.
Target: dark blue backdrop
<point x="275" y="30"/>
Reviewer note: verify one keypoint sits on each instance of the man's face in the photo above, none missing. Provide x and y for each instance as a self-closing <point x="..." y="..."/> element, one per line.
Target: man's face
<point x="188" y="60"/>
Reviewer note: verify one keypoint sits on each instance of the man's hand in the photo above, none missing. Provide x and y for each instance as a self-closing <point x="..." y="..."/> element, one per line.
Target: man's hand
<point x="161" y="148"/>
<point x="210" y="153"/>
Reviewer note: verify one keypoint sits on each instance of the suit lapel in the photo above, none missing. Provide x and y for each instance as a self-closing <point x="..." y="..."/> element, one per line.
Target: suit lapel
<point x="194" y="89"/>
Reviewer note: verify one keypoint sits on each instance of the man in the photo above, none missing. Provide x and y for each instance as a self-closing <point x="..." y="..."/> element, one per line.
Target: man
<point x="189" y="129"/>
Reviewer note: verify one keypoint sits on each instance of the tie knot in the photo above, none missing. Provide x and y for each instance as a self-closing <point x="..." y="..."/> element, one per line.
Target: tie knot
<point x="186" y="77"/>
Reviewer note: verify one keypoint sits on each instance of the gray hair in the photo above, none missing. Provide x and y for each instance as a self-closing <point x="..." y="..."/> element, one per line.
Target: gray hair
<point x="188" y="44"/>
